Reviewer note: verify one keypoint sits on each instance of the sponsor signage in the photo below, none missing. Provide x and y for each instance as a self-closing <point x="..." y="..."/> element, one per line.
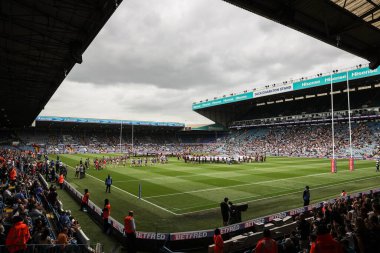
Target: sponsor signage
<point x="336" y="78"/>
<point x="222" y="101"/>
<point x="108" y="121"/>
<point x="251" y="223"/>
<point x="303" y="84"/>
<point x="274" y="90"/>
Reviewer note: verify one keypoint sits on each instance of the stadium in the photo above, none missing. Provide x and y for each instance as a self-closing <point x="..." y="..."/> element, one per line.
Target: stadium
<point x="296" y="159"/>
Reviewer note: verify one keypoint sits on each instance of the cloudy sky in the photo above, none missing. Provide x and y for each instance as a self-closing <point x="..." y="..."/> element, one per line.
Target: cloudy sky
<point x="153" y="59"/>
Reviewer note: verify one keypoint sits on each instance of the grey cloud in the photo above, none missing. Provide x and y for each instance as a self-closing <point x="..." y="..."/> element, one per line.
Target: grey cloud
<point x="160" y="56"/>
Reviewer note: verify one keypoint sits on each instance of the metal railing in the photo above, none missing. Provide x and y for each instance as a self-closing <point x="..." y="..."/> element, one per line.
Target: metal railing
<point x="54" y="248"/>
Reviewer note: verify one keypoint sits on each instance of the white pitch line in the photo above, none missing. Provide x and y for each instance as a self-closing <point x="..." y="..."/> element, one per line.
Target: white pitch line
<point x="234" y="186"/>
<point x="160" y="207"/>
<point x="281" y="195"/>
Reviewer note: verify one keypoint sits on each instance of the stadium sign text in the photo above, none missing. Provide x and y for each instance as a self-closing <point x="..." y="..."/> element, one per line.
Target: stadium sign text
<point x="222" y="101"/>
<point x="274" y="90"/>
<point x="336" y="78"/>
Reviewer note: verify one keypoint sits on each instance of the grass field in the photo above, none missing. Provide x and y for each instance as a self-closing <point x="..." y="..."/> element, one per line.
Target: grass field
<point x="179" y="196"/>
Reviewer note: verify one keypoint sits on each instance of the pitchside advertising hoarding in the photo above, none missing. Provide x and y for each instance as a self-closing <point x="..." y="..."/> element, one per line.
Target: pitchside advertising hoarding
<point x="299" y="85"/>
<point x="249" y="224"/>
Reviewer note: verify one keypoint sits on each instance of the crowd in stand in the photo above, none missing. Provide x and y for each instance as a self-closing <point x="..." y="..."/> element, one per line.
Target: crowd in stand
<point x="349" y="225"/>
<point x="296" y="141"/>
<point x="25" y="203"/>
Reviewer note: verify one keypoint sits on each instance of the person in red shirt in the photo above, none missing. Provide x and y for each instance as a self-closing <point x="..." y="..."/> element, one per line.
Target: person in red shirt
<point x="13" y="174"/>
<point x="85" y="198"/>
<point x="105" y="215"/>
<point x="218" y="241"/>
<point x="18" y="236"/>
<point x="61" y="180"/>
<point x="325" y="243"/>
<point x="266" y="244"/>
<point x="130" y="232"/>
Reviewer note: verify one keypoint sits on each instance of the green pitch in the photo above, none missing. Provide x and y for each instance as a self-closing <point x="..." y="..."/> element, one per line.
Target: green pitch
<point x="182" y="196"/>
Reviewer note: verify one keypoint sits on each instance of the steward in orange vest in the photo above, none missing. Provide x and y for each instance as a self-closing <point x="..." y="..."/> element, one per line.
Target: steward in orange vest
<point x="105" y="215"/>
<point x="61" y="180"/>
<point x="130" y="232"/>
<point x="13" y="174"/>
<point x="18" y="235"/>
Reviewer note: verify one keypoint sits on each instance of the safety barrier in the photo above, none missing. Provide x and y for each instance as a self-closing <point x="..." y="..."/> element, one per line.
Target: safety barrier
<point x="55" y="248"/>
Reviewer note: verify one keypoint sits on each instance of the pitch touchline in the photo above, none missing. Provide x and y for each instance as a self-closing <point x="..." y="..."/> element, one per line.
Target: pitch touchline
<point x="160" y="207"/>
<point x="234" y="186"/>
<point x="281" y="195"/>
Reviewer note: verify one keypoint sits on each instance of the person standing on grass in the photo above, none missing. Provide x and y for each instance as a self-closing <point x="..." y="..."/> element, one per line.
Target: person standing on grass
<point x="306" y="196"/>
<point x="218" y="241"/>
<point x="61" y="180"/>
<point x="225" y="210"/>
<point x="105" y="215"/>
<point x="130" y="232"/>
<point x="85" y="199"/>
<point x="108" y="183"/>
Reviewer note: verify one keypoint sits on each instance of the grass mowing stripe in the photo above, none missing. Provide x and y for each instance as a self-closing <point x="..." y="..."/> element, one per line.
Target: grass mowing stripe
<point x="162" y="208"/>
<point x="247" y="184"/>
<point x="176" y="176"/>
<point x="276" y="196"/>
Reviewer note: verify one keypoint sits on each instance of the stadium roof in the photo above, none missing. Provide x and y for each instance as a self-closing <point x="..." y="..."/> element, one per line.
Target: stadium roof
<point x="291" y="85"/>
<point x="351" y="25"/>
<point x="54" y="119"/>
<point x="230" y="108"/>
<point x="40" y="42"/>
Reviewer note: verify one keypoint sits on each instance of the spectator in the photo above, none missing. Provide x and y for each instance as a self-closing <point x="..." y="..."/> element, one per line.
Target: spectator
<point x="63" y="239"/>
<point x="218" y="241"/>
<point x="304" y="228"/>
<point x="325" y="242"/>
<point x="105" y="216"/>
<point x="85" y="199"/>
<point x="266" y="244"/>
<point x="17" y="236"/>
<point x="61" y="180"/>
<point x="130" y="232"/>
